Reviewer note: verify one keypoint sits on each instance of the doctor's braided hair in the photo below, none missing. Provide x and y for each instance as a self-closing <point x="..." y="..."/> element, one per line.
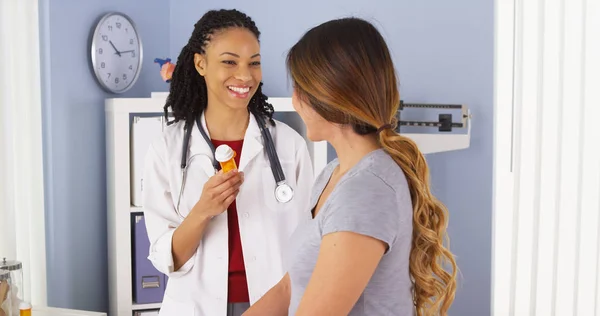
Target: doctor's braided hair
<point x="187" y="96"/>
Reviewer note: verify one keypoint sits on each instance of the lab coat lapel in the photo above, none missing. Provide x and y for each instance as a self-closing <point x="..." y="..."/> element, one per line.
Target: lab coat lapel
<point x="198" y="145"/>
<point x="199" y="149"/>
<point x="252" y="143"/>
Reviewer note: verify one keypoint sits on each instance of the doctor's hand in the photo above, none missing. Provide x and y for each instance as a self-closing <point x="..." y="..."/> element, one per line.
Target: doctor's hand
<point x="218" y="193"/>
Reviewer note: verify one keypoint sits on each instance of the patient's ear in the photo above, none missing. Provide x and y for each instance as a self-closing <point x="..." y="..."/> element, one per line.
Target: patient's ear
<point x="200" y="64"/>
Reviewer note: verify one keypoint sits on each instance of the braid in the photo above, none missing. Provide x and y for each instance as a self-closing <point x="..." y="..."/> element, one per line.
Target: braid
<point x="259" y="105"/>
<point x="187" y="93"/>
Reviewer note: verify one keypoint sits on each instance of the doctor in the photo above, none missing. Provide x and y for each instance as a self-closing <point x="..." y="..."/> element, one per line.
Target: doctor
<point x="219" y="237"/>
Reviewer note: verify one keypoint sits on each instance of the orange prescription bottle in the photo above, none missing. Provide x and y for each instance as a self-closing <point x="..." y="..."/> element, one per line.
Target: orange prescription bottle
<point x="24" y="309"/>
<point x="225" y="156"/>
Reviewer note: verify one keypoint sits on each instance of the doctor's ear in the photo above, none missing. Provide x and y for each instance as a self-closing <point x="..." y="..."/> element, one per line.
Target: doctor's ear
<point x="200" y="64"/>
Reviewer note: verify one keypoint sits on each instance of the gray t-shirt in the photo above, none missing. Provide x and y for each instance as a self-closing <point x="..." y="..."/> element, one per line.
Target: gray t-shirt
<point x="372" y="199"/>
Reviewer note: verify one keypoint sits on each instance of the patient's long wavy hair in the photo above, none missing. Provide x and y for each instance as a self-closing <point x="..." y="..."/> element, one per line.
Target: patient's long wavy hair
<point x="344" y="70"/>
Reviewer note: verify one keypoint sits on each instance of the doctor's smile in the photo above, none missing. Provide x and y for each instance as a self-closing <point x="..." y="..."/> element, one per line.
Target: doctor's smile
<point x="240" y="91"/>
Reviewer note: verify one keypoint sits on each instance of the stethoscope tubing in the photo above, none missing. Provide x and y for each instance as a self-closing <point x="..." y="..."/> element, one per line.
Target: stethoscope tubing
<point x="283" y="192"/>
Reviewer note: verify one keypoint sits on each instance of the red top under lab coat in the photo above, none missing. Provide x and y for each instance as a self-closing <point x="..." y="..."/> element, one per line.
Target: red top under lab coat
<point x="237" y="285"/>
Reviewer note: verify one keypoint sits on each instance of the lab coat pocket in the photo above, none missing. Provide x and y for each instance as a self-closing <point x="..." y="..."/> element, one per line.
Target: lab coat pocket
<point x="172" y="307"/>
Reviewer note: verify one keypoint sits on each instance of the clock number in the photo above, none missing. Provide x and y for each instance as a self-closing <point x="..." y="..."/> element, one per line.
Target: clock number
<point x="132" y="54"/>
<point x="100" y="51"/>
<point x="102" y="65"/>
<point x="116" y="80"/>
<point x="108" y="75"/>
<point x="131" y="41"/>
<point x="118" y="25"/>
<point x="126" y="30"/>
<point x="130" y="67"/>
<point x="104" y="38"/>
<point x="124" y="77"/>
<point x="110" y="28"/>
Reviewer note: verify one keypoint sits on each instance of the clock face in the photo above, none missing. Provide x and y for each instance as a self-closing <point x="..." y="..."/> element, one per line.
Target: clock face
<point x="116" y="53"/>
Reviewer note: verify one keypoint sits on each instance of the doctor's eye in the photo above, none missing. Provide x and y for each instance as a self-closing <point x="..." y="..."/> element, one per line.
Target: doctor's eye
<point x="255" y="63"/>
<point x="229" y="62"/>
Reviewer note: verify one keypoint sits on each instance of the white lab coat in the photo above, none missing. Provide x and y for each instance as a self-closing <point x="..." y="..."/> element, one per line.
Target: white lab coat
<point x="199" y="287"/>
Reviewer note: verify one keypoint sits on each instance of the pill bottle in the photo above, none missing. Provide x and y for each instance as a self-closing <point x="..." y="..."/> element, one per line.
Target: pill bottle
<point x="225" y="156"/>
<point x="24" y="309"/>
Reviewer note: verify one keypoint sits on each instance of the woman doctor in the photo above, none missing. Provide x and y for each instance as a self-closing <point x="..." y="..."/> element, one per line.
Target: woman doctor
<point x="219" y="237"/>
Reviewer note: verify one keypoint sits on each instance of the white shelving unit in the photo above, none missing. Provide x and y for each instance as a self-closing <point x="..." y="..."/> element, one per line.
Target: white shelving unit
<point x="118" y="128"/>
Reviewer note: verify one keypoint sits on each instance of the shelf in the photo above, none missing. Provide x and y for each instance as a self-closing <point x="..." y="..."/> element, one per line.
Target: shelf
<point x="134" y="105"/>
<point x="136" y="209"/>
<point x="139" y="307"/>
<point x="280" y="104"/>
<point x="437" y="143"/>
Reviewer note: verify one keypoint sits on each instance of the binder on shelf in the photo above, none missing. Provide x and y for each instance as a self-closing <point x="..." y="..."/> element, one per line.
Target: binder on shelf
<point x="149" y="283"/>
<point x="144" y="130"/>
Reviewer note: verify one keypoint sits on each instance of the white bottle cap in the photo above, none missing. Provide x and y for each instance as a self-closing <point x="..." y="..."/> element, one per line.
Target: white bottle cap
<point x="24" y="305"/>
<point x="223" y="153"/>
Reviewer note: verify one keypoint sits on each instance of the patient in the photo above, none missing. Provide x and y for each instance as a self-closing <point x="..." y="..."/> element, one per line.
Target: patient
<point x="375" y="243"/>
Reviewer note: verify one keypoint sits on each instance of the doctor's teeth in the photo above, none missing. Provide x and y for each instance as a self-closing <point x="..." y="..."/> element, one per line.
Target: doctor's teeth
<point x="239" y="90"/>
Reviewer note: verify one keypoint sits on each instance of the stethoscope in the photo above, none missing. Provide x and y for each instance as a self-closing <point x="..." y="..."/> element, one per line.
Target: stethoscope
<point x="283" y="192"/>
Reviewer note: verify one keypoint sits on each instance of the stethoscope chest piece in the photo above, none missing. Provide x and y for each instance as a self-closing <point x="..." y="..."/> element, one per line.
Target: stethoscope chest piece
<point x="283" y="193"/>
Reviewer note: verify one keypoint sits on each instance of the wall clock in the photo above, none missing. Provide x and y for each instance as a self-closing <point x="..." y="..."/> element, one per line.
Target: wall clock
<point x="117" y="52"/>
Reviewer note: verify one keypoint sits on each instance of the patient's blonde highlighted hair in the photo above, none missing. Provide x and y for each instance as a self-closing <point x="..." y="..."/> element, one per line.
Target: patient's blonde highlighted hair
<point x="344" y="70"/>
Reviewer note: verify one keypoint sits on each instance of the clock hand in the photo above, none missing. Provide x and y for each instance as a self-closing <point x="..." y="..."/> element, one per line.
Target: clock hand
<point x="116" y="50"/>
<point x="128" y="51"/>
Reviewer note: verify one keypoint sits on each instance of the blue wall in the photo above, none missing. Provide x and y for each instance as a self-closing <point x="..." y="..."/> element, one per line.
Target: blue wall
<point x="443" y="52"/>
<point x="74" y="141"/>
